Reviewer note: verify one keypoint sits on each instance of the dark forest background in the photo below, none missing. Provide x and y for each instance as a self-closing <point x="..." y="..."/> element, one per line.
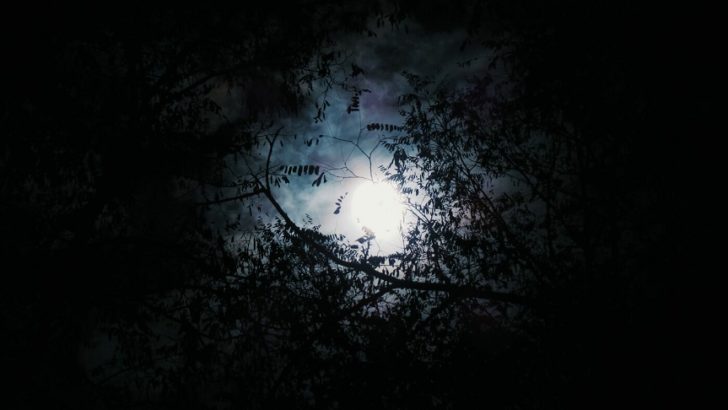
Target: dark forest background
<point x="106" y="120"/>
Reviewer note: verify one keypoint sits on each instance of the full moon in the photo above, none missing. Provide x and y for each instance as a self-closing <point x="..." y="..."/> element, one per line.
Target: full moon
<point x="378" y="207"/>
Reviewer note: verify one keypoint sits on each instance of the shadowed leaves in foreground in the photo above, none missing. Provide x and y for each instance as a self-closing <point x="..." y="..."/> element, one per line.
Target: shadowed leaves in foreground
<point x="535" y="273"/>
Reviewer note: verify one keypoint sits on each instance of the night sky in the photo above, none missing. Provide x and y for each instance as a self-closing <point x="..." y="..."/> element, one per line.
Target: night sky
<point x="161" y="250"/>
<point x="383" y="56"/>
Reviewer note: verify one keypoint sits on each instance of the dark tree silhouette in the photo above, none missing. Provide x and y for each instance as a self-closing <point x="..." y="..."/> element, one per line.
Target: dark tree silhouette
<point x="535" y="272"/>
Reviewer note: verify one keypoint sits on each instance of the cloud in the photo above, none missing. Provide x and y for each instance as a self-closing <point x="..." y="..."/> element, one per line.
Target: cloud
<point x="383" y="58"/>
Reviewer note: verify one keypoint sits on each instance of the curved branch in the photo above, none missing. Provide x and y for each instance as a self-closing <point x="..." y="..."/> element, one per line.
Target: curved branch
<point x="267" y="160"/>
<point x="396" y="283"/>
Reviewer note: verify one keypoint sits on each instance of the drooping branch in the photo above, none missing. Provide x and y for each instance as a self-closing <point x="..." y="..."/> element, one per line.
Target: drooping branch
<point x="395" y="283"/>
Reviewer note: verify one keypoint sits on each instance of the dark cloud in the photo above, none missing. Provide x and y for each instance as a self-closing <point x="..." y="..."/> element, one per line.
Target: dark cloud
<point x="383" y="57"/>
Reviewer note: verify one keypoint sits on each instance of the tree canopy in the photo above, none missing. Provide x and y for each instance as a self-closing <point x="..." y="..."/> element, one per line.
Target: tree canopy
<point x="534" y="266"/>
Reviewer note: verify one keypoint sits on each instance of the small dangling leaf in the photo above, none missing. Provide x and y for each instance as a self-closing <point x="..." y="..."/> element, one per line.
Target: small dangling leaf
<point x="356" y="70"/>
<point x="317" y="181"/>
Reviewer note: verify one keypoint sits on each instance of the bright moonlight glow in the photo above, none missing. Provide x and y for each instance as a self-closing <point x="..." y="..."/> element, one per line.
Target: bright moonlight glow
<point x="378" y="207"/>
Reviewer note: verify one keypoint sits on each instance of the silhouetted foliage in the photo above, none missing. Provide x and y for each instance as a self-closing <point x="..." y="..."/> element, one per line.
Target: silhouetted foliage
<point x="534" y="273"/>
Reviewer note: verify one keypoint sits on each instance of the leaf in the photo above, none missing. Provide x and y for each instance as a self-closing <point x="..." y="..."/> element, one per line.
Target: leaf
<point x="356" y="70"/>
<point x="376" y="260"/>
<point x="317" y="181"/>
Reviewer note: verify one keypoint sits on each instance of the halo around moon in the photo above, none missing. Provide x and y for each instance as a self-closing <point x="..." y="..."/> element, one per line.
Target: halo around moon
<point x="379" y="208"/>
